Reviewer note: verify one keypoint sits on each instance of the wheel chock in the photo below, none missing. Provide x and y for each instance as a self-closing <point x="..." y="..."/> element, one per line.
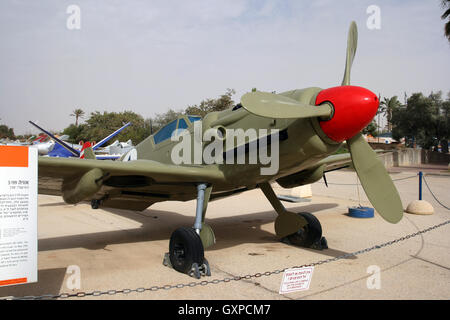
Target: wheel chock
<point x="196" y="271"/>
<point x="318" y="245"/>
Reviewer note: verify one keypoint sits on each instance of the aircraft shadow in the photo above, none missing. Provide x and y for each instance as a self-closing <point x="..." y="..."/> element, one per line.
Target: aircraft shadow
<point x="159" y="225"/>
<point x="50" y="282"/>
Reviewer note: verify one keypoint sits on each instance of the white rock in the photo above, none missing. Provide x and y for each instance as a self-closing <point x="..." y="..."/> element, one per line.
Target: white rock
<point x="420" y="207"/>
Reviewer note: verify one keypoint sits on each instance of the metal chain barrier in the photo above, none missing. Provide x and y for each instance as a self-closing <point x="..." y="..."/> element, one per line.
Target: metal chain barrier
<point x="428" y="187"/>
<point x="227" y="279"/>
<point x="426" y="183"/>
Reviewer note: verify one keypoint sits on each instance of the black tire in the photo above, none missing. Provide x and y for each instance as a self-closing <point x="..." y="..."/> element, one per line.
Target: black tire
<point x="95" y="203"/>
<point x="185" y="248"/>
<point x="309" y="234"/>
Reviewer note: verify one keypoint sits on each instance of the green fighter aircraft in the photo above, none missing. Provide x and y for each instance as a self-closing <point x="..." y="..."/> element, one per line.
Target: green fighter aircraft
<point x="302" y="128"/>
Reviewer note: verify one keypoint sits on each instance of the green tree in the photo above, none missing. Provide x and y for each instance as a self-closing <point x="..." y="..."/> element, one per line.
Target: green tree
<point x="371" y="129"/>
<point x="6" y="132"/>
<point x="224" y="102"/>
<point x="423" y="121"/>
<point x="100" y="125"/>
<point x="162" y="119"/>
<point x="77" y="133"/>
<point x="387" y="106"/>
<point x="77" y="113"/>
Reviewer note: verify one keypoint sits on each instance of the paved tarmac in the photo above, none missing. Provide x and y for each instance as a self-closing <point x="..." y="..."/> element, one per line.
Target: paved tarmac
<point x="120" y="249"/>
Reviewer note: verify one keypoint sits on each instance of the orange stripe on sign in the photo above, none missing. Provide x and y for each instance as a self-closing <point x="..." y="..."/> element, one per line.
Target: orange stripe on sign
<point x="13" y="156"/>
<point x="13" y="281"/>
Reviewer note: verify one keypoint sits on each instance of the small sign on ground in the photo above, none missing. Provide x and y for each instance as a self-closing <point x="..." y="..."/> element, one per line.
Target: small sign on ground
<point x="297" y="279"/>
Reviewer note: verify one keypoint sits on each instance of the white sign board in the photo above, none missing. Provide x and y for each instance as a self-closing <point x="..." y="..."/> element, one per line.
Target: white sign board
<point x="297" y="279"/>
<point x="18" y="215"/>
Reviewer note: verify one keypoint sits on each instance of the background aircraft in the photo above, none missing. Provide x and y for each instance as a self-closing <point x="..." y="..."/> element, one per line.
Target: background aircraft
<point x="42" y="143"/>
<point x="119" y="147"/>
<point x="65" y="150"/>
<point x="313" y="123"/>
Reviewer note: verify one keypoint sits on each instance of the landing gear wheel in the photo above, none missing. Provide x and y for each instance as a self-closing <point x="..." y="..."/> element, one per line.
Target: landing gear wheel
<point x="310" y="235"/>
<point x="185" y="250"/>
<point x="95" y="203"/>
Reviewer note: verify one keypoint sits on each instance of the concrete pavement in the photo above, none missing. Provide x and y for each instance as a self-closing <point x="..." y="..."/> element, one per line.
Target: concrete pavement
<point x="120" y="249"/>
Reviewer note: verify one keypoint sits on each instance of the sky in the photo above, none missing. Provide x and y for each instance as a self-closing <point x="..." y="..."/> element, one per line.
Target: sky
<point x="149" y="56"/>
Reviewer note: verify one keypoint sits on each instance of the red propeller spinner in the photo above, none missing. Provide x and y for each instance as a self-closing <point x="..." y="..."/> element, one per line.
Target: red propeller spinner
<point x="354" y="108"/>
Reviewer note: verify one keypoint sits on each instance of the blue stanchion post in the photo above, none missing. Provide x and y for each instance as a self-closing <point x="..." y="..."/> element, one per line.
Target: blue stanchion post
<point x="420" y="185"/>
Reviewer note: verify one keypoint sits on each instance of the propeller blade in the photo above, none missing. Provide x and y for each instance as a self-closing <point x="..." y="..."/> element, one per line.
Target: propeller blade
<point x="375" y="180"/>
<point x="275" y="106"/>
<point x="352" y="43"/>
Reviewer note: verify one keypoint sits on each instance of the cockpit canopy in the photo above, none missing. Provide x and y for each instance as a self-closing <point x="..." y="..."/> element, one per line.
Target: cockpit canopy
<point x="181" y="123"/>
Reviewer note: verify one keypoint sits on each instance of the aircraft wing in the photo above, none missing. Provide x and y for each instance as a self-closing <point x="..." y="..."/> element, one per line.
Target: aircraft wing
<point x="316" y="171"/>
<point x="335" y="161"/>
<point x="339" y="161"/>
<point x="128" y="185"/>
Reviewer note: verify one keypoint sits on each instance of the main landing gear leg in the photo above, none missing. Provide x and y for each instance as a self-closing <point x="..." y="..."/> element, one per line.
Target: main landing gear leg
<point x="300" y="229"/>
<point x="186" y="247"/>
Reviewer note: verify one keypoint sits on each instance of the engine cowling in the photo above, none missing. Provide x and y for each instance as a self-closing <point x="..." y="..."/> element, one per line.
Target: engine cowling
<point x="301" y="178"/>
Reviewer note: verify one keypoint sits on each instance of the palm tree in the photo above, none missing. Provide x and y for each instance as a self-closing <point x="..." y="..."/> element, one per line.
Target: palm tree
<point x="387" y="106"/>
<point x="446" y="5"/>
<point x="77" y="113"/>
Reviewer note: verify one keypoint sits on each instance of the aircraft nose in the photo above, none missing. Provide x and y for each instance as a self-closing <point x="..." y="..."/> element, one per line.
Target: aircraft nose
<point x="354" y="109"/>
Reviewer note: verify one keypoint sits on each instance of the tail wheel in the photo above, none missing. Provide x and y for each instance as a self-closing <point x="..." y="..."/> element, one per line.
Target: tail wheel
<point x="185" y="249"/>
<point x="309" y="234"/>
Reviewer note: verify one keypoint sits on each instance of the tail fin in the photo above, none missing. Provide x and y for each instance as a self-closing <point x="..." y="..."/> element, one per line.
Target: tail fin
<point x="87" y="152"/>
<point x="62" y="143"/>
<point x="103" y="141"/>
<point x="39" y="139"/>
